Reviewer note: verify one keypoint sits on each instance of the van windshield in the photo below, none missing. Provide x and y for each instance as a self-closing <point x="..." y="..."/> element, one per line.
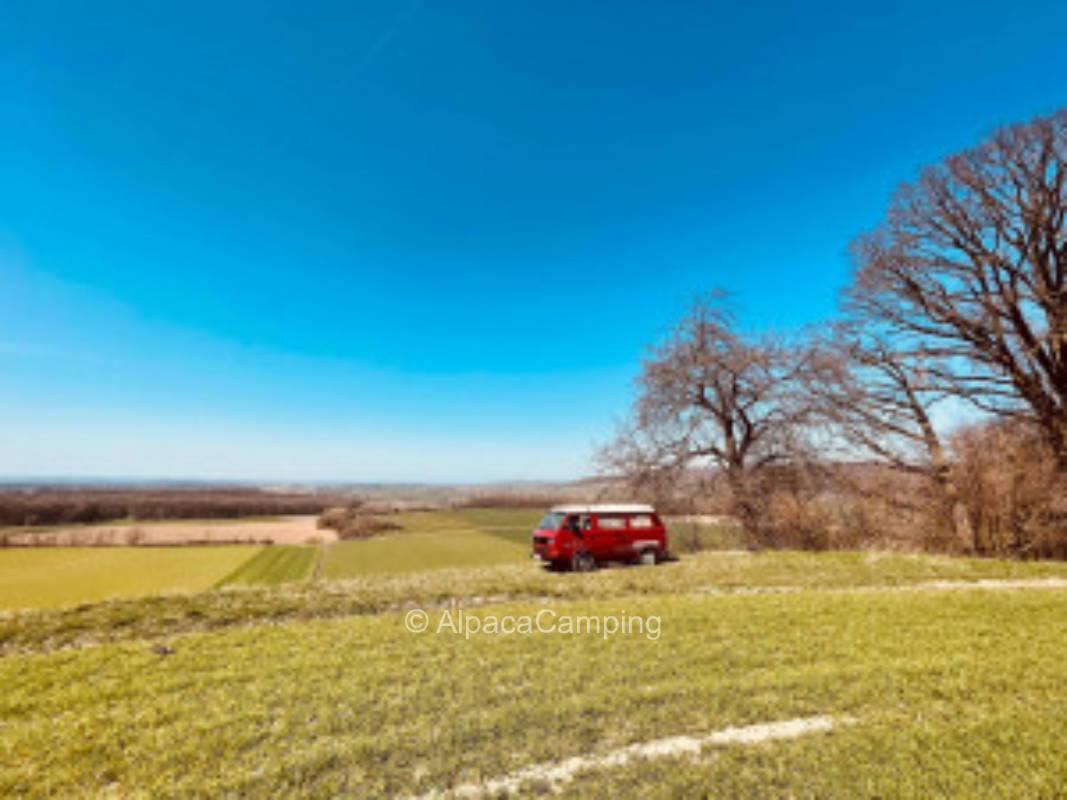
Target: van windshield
<point x="551" y="522"/>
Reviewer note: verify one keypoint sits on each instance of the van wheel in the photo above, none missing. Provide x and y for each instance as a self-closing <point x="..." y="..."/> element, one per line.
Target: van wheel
<point x="583" y="561"/>
<point x="647" y="558"/>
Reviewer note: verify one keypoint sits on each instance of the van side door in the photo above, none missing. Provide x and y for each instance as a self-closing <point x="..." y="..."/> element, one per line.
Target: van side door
<point x="611" y="535"/>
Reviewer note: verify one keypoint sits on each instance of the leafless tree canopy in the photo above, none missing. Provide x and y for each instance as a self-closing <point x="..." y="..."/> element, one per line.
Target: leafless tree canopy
<point x="877" y="400"/>
<point x="709" y="396"/>
<point x="971" y="260"/>
<point x="959" y="296"/>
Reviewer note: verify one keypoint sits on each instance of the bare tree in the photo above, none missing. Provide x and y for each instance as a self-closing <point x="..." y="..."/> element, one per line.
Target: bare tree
<point x="971" y="260"/>
<point x="708" y="396"/>
<point x="877" y="399"/>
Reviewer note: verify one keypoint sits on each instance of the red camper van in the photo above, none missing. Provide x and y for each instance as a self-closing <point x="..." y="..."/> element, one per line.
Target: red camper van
<point x="581" y="537"/>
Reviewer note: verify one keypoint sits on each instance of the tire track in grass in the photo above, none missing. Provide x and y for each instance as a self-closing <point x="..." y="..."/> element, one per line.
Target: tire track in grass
<point x="555" y="773"/>
<point x="273" y="565"/>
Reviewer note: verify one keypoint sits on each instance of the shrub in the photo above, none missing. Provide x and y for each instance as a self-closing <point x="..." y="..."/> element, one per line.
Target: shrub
<point x="353" y="522"/>
<point x="704" y="532"/>
<point x="1013" y="496"/>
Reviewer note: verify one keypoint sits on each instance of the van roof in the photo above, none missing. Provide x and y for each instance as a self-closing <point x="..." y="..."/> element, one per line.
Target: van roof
<point x="606" y="508"/>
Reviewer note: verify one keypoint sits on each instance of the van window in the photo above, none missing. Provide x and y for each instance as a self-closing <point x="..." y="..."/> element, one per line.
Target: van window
<point x="550" y="522"/>
<point x="611" y="522"/>
<point x="641" y="521"/>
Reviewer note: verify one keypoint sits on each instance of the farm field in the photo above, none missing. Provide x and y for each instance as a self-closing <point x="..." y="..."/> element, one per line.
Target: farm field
<point x="60" y="575"/>
<point x="280" y="530"/>
<point x="928" y="692"/>
<point x="435" y="540"/>
<point x="499" y="520"/>
<point x="274" y="565"/>
<point x="54" y="576"/>
<point x="429" y="540"/>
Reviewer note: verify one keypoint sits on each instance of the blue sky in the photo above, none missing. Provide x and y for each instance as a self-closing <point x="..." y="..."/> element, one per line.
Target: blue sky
<point x="430" y="241"/>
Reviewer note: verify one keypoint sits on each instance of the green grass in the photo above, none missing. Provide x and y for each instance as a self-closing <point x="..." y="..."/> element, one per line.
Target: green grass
<point x="953" y="694"/>
<point x="702" y="573"/>
<point x="415" y="552"/>
<point x="284" y="686"/>
<point x="281" y="685"/>
<point x="275" y="565"/>
<point x="480" y="518"/>
<point x="436" y="540"/>
<point x="55" y="576"/>
<point x="511" y="524"/>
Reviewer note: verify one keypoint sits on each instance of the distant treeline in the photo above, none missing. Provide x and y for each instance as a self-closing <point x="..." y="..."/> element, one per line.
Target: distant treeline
<point x="509" y="500"/>
<point x="606" y="491"/>
<point x="59" y="506"/>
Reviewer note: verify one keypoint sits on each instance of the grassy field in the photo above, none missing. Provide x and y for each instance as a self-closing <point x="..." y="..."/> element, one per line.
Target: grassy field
<point x="43" y="577"/>
<point x="435" y="540"/>
<point x="700" y="574"/>
<point x="54" y="576"/>
<point x="936" y="679"/>
<point x="275" y="565"/>
<point x="429" y="540"/>
<point x="938" y="694"/>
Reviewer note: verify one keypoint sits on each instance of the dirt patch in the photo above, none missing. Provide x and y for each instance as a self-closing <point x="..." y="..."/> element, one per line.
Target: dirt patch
<point x="994" y="583"/>
<point x="939" y="585"/>
<point x="287" y="530"/>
